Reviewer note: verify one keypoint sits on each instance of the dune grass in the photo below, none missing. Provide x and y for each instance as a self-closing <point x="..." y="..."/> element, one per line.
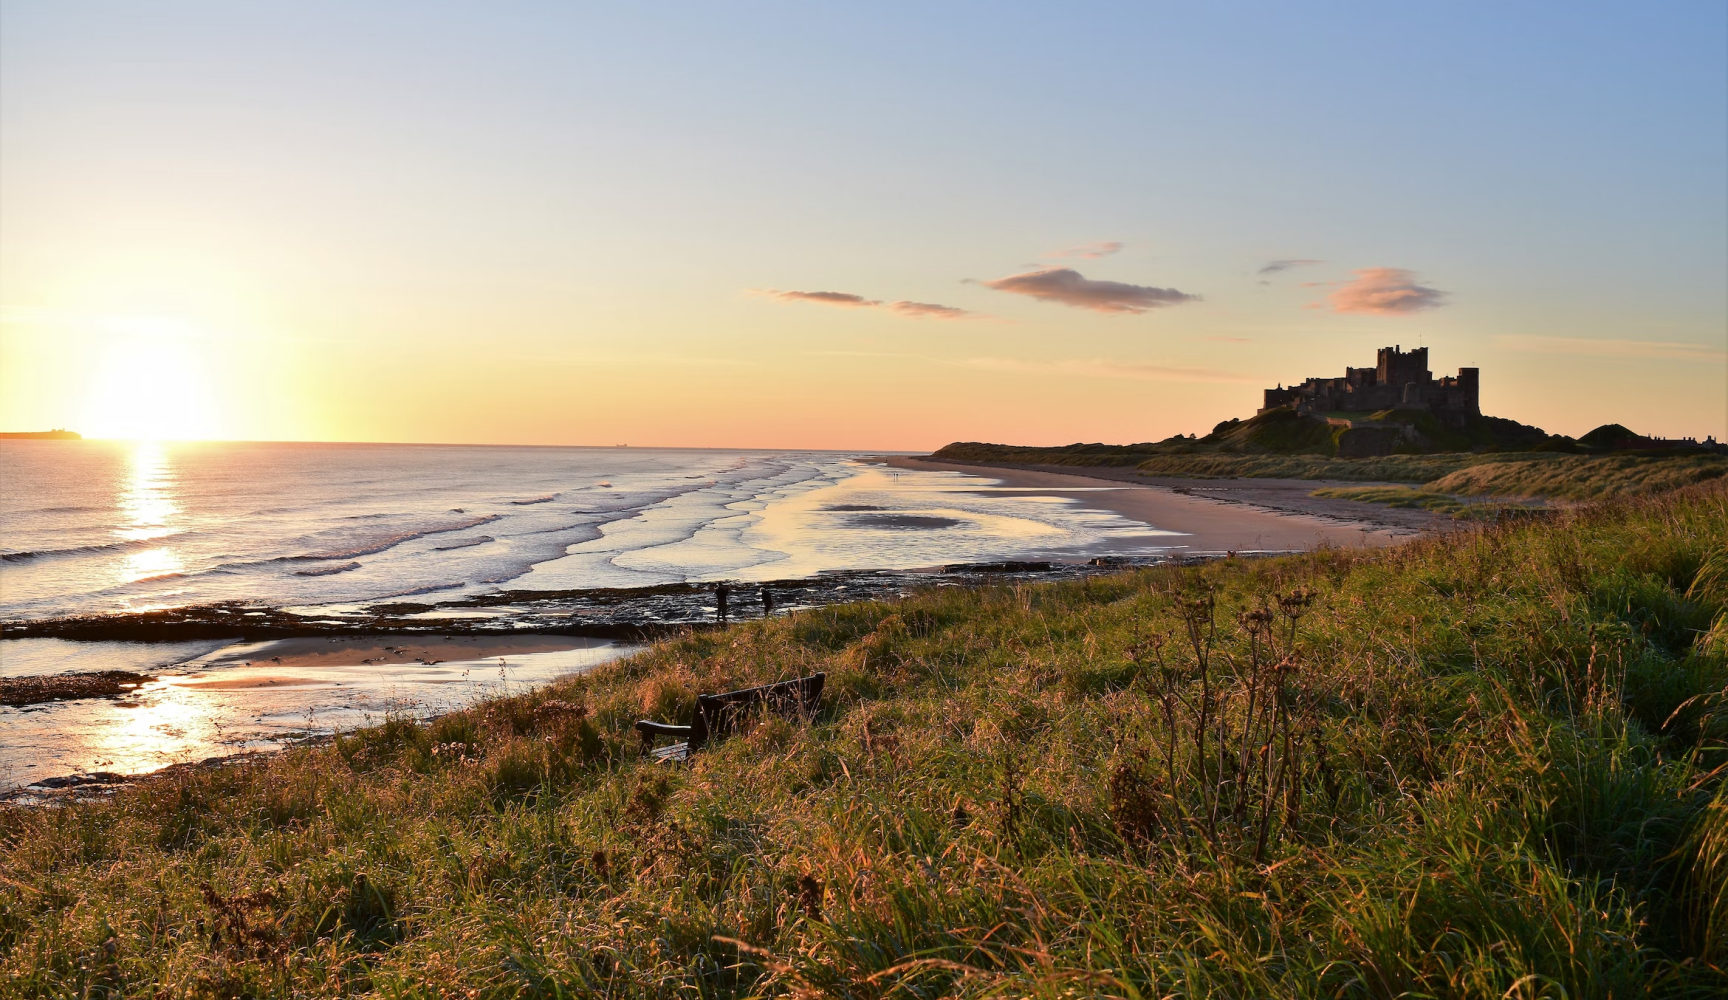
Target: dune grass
<point x="1386" y="468"/>
<point x="1523" y="474"/>
<point x="1527" y="475"/>
<point x="1479" y="766"/>
<point x="1396" y="496"/>
<point x="1581" y="477"/>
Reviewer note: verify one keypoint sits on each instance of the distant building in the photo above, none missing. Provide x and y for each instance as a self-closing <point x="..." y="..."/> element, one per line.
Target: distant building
<point x="1400" y="380"/>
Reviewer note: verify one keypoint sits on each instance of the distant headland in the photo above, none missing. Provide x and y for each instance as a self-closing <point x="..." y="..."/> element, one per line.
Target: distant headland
<point x="1392" y="423"/>
<point x="57" y="434"/>
<point x="1396" y="407"/>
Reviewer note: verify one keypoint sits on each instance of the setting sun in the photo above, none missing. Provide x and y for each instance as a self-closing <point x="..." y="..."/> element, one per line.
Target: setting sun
<point x="152" y="382"/>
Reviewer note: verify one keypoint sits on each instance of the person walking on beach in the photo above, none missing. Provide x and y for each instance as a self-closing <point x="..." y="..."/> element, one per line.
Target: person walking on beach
<point x="720" y="594"/>
<point x="767" y="602"/>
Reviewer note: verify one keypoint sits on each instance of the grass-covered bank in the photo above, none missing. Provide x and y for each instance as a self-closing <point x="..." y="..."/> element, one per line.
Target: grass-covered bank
<point x="1397" y="496"/>
<point x="1280" y="444"/>
<point x="1547" y="475"/>
<point x="1475" y="766"/>
<point x="1560" y="477"/>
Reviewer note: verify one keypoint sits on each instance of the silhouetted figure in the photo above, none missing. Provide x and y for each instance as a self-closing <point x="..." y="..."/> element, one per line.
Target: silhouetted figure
<point x="720" y="594"/>
<point x="767" y="602"/>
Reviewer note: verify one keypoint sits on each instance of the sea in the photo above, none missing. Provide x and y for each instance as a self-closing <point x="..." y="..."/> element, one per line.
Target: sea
<point x="90" y="527"/>
<point x="94" y="528"/>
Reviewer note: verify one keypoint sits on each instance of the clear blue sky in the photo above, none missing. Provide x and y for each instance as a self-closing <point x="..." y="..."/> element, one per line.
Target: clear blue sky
<point x="587" y="211"/>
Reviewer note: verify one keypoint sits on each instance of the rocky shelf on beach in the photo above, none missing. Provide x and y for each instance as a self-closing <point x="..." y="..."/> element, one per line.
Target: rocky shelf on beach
<point x="629" y="614"/>
<point x="17" y="692"/>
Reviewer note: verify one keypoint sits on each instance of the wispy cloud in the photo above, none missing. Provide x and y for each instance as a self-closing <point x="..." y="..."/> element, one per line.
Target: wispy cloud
<point x="825" y="298"/>
<point x="1090" y="251"/>
<point x="1385" y="291"/>
<point x="1591" y="347"/>
<point x="919" y="310"/>
<point x="1141" y="371"/>
<point x="1285" y="264"/>
<point x="930" y="310"/>
<point x="1069" y="287"/>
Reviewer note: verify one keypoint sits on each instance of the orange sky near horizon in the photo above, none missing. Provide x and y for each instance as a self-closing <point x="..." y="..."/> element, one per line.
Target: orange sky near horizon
<point x="169" y="378"/>
<point x="752" y="229"/>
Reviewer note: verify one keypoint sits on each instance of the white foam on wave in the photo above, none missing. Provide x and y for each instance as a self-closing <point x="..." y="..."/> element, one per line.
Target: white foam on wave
<point x="901" y="519"/>
<point x="310" y="525"/>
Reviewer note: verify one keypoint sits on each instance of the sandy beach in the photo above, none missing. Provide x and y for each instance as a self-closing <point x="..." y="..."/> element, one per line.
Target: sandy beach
<point x="386" y="650"/>
<point x="1212" y="515"/>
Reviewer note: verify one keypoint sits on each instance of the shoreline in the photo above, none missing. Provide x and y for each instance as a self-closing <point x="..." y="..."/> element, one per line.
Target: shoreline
<point x="285" y="664"/>
<point x="1215" y="515"/>
<point x="245" y="699"/>
<point x="1190" y="519"/>
<point x="633" y="614"/>
<point x="277" y="661"/>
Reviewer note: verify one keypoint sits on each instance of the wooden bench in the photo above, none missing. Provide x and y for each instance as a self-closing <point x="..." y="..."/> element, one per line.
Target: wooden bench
<point x="717" y="715"/>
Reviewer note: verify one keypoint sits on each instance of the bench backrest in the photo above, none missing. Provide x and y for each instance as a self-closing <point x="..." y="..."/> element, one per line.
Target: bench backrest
<point x="720" y="714"/>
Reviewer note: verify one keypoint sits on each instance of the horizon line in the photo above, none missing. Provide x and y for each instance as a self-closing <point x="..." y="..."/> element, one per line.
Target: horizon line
<point x="12" y="436"/>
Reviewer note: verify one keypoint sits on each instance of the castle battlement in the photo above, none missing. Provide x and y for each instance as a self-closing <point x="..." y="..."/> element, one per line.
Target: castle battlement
<point x="1399" y="380"/>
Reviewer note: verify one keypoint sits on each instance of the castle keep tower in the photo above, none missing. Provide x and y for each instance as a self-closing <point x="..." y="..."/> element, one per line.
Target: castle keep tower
<point x="1399" y="368"/>
<point x="1399" y="380"/>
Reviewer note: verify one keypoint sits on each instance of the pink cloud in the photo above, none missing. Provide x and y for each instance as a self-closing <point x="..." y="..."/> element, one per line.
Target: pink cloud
<point x="1069" y="287"/>
<point x="918" y="310"/>
<point x="1385" y="291"/>
<point x="930" y="310"/>
<point x="825" y="298"/>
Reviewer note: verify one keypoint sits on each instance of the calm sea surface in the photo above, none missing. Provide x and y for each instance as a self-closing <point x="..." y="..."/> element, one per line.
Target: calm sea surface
<point x="104" y="527"/>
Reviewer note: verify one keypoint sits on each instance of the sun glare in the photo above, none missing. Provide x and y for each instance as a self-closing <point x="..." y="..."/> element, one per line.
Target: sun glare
<point x="152" y="382"/>
<point x="148" y="510"/>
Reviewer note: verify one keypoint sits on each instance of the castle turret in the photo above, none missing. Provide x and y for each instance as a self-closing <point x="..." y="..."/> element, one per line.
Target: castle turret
<point x="1470" y="391"/>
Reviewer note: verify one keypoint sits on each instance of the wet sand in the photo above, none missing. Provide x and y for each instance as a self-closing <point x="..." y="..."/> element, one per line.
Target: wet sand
<point x="385" y="650"/>
<point x="1251" y="520"/>
<point x="241" y="699"/>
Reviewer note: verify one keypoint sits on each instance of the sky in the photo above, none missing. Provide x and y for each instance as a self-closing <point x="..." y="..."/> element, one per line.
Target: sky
<point x="849" y="225"/>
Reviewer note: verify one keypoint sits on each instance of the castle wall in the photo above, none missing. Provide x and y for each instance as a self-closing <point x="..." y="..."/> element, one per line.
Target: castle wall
<point x="1399" y="379"/>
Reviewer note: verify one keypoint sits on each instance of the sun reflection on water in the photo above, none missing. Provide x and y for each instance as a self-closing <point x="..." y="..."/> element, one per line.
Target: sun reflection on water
<point x="147" y="511"/>
<point x="161" y="725"/>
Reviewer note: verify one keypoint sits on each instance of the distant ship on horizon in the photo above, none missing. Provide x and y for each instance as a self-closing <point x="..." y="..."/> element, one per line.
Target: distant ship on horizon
<point x="57" y="434"/>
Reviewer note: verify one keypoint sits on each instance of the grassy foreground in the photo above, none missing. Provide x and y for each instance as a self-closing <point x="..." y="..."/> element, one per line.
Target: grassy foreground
<point x="1478" y="766"/>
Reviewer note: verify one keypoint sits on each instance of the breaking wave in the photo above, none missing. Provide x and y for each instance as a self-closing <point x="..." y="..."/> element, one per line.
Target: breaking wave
<point x="327" y="570"/>
<point x="82" y="550"/>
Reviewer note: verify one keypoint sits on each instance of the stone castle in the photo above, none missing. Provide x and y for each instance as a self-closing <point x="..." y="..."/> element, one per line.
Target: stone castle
<point x="1400" y="380"/>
